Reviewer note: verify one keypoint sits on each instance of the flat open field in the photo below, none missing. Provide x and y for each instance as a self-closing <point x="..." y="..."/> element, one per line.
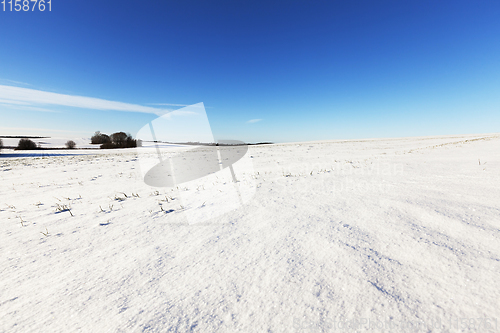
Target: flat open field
<point x="367" y="235"/>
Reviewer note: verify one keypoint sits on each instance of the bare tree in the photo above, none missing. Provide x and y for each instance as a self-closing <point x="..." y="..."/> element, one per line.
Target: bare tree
<point x="70" y="144"/>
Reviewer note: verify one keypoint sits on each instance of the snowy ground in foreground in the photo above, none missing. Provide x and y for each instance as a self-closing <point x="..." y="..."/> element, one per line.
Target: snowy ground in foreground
<point x="373" y="232"/>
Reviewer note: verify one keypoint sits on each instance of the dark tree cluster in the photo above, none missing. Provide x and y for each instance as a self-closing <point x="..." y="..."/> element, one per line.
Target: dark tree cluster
<point x="100" y="138"/>
<point x="26" y="144"/>
<point x="116" y="140"/>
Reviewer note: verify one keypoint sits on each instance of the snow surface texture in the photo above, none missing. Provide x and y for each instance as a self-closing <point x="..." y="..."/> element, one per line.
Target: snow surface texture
<point x="339" y="236"/>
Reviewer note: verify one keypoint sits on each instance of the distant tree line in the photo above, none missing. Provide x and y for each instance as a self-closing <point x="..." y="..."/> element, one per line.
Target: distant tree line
<point x="115" y="140"/>
<point x="23" y="137"/>
<point x="23" y="144"/>
<point x="27" y="144"/>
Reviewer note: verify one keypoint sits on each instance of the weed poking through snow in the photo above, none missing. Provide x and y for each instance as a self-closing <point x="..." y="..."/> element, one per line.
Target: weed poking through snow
<point x="63" y="208"/>
<point x="46" y="233"/>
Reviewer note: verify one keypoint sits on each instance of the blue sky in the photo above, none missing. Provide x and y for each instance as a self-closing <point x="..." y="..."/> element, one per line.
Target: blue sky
<point x="266" y="70"/>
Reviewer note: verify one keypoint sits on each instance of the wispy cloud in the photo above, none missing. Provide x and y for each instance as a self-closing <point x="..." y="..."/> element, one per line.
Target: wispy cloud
<point x="15" y="130"/>
<point x="168" y="104"/>
<point x="8" y="101"/>
<point x="179" y="113"/>
<point x="6" y="81"/>
<point x="25" y="107"/>
<point x="35" y="98"/>
<point x="251" y="121"/>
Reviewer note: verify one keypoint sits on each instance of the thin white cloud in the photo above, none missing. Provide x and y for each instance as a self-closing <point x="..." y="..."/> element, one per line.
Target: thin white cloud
<point x="14" y="82"/>
<point x="17" y="95"/>
<point x="31" y="129"/>
<point x="168" y="104"/>
<point x="251" y="121"/>
<point x="9" y="101"/>
<point x="179" y="113"/>
<point x="25" y="107"/>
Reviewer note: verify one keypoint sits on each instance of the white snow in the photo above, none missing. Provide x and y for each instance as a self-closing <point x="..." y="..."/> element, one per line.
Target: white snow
<point x="339" y="236"/>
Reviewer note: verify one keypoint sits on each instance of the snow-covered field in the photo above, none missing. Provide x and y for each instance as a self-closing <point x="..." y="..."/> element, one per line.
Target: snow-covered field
<point x="340" y="236"/>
